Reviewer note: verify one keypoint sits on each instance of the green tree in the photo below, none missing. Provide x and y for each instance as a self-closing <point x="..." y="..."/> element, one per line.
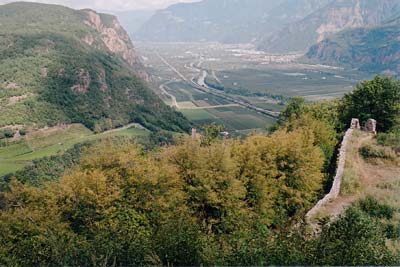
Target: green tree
<point x="354" y="239"/>
<point x="293" y="110"/>
<point x="282" y="173"/>
<point x="212" y="132"/>
<point x="378" y="99"/>
<point x="7" y="133"/>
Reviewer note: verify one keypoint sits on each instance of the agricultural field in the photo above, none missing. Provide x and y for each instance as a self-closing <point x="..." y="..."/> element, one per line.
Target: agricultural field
<point x="49" y="142"/>
<point x="263" y="80"/>
<point x="311" y="83"/>
<point x="235" y="119"/>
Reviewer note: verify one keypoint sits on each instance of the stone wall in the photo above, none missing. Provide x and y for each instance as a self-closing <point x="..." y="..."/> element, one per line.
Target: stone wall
<point x="335" y="190"/>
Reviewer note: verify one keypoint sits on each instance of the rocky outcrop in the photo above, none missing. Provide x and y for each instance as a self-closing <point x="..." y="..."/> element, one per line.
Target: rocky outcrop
<point x="10" y="85"/>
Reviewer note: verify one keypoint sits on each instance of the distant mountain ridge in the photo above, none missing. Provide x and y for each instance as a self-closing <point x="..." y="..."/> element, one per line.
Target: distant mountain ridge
<point x="133" y="20"/>
<point x="63" y="65"/>
<point x="337" y="16"/>
<point x="226" y="21"/>
<point x="372" y="49"/>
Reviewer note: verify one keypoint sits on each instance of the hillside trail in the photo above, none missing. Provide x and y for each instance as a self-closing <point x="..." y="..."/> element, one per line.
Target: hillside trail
<point x="369" y="177"/>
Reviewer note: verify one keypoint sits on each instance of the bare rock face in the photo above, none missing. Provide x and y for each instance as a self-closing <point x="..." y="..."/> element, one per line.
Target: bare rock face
<point x="115" y="39"/>
<point x="342" y="17"/>
<point x="44" y="72"/>
<point x="10" y="85"/>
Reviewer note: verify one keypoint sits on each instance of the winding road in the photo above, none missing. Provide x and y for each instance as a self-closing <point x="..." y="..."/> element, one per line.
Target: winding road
<point x="203" y="87"/>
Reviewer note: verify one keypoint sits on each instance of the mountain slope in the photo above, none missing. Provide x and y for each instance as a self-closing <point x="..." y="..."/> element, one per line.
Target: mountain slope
<point x="227" y="21"/>
<point x="62" y="65"/>
<point x="375" y="49"/>
<point x="337" y="16"/>
<point x="133" y="20"/>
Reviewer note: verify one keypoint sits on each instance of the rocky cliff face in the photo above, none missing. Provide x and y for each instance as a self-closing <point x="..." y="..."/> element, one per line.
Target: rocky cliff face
<point x="337" y="16"/>
<point x="114" y="38"/>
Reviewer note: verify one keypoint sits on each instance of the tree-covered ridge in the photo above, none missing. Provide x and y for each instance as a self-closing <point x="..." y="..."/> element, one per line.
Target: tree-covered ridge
<point x="125" y="198"/>
<point x="203" y="201"/>
<point x="55" y="67"/>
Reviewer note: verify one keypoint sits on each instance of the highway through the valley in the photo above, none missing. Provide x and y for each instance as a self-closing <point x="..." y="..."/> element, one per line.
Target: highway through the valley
<point x="201" y="85"/>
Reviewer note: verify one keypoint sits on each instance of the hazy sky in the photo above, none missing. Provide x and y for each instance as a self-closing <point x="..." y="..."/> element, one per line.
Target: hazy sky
<point x="110" y="5"/>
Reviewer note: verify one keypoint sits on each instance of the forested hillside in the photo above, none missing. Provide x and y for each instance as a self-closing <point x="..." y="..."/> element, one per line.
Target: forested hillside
<point x="209" y="200"/>
<point x="59" y="65"/>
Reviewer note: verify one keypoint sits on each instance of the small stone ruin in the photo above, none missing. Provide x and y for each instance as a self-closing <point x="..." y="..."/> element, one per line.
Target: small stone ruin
<point x="195" y="134"/>
<point x="355" y="124"/>
<point x="370" y="126"/>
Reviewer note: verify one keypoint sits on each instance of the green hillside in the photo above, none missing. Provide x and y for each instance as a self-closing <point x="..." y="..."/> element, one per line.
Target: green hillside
<point x="62" y="65"/>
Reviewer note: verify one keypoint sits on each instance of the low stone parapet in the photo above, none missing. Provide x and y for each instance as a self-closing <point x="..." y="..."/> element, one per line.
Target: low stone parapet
<point x="335" y="190"/>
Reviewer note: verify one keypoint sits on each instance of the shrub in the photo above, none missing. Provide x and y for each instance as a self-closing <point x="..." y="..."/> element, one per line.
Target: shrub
<point x="351" y="183"/>
<point x="22" y="131"/>
<point x="392" y="231"/>
<point x="373" y="208"/>
<point x="7" y="133"/>
<point x="391" y="139"/>
<point x="377" y="152"/>
<point x="354" y="239"/>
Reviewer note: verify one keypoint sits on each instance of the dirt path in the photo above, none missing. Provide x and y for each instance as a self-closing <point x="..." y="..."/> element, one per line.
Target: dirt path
<point x="131" y="125"/>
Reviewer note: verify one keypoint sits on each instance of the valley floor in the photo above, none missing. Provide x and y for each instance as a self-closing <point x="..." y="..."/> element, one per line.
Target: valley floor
<point x="183" y="71"/>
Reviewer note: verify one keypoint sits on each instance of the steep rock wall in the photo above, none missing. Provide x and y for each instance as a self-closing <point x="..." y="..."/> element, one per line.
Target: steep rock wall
<point x="115" y="39"/>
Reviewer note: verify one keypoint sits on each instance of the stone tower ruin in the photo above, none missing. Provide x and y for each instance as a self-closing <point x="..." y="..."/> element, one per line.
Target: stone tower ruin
<point x="370" y="126"/>
<point x="355" y="124"/>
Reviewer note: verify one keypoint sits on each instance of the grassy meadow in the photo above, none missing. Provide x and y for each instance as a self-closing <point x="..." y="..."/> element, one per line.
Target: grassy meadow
<point x="53" y="141"/>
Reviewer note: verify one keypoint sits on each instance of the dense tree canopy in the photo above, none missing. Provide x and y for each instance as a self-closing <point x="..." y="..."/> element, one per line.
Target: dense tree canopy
<point x="378" y="99"/>
<point x="205" y="201"/>
<point x="124" y="205"/>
